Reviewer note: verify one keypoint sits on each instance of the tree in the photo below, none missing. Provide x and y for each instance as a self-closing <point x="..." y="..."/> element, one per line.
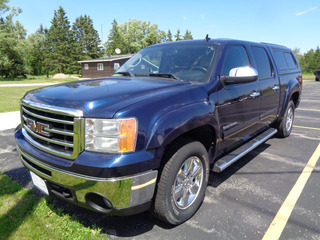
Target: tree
<point x="13" y="61"/>
<point x="87" y="39"/>
<point x="169" y="36"/>
<point x="188" y="35"/>
<point x="115" y="39"/>
<point x="36" y="54"/>
<point x="132" y="36"/>
<point x="178" y="36"/>
<point x="59" y="43"/>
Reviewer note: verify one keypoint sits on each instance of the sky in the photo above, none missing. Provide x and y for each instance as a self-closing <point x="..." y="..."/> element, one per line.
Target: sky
<point x="294" y="24"/>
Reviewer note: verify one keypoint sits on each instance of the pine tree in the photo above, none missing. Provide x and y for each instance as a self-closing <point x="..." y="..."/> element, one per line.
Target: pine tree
<point x="36" y="54"/>
<point x="86" y="38"/>
<point x="188" y="35"/>
<point x="59" y="42"/>
<point x="169" y="36"/>
<point x="115" y="39"/>
<point x="178" y="36"/>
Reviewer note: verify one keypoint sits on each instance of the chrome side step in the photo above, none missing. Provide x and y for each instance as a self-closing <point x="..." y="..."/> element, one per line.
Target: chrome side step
<point x="232" y="157"/>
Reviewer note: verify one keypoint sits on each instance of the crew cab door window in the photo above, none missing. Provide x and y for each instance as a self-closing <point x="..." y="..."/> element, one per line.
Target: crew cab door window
<point x="235" y="57"/>
<point x="263" y="62"/>
<point x="269" y="86"/>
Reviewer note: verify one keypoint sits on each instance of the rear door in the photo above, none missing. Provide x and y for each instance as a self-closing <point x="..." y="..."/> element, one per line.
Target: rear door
<point x="269" y="85"/>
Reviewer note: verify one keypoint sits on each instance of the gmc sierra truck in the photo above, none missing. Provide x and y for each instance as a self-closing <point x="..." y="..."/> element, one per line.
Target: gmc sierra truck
<point x="148" y="136"/>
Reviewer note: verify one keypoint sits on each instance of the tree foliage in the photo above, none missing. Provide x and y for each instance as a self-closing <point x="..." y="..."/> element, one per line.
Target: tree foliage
<point x="132" y="36"/>
<point x="309" y="61"/>
<point x="13" y="45"/>
<point x="60" y="47"/>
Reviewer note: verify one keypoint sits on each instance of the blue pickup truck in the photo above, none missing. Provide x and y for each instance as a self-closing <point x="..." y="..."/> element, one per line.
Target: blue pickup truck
<point x="148" y="136"/>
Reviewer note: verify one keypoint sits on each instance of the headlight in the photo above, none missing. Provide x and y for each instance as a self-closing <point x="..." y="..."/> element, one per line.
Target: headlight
<point x="110" y="135"/>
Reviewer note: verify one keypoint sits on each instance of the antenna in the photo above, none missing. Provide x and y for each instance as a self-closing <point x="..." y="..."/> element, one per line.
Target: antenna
<point x="207" y="38"/>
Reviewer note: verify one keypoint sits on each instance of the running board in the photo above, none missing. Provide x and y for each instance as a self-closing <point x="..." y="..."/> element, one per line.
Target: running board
<point x="232" y="157"/>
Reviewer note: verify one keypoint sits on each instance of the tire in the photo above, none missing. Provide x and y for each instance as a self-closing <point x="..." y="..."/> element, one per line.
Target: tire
<point x="182" y="183"/>
<point x="317" y="79"/>
<point x="286" y="124"/>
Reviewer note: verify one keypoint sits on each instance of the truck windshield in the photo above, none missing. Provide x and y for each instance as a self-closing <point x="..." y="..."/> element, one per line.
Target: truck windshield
<point x="183" y="62"/>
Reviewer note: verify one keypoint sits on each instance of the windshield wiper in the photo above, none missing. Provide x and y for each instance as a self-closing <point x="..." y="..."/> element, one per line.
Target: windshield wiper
<point x="127" y="74"/>
<point x="165" y="75"/>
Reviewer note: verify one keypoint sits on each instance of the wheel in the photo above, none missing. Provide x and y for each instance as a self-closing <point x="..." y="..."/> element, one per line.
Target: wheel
<point x="286" y="124"/>
<point x="182" y="183"/>
<point x="317" y="79"/>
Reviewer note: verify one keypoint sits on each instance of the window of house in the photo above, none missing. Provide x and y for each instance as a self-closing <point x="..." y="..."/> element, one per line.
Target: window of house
<point x="116" y="66"/>
<point x="86" y="66"/>
<point x="263" y="62"/>
<point x="236" y="57"/>
<point x="100" y="66"/>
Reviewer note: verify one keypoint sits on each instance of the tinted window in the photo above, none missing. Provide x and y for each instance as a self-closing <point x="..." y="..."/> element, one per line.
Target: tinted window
<point x="263" y="63"/>
<point x="236" y="57"/>
<point x="284" y="60"/>
<point x="280" y="60"/>
<point x="291" y="63"/>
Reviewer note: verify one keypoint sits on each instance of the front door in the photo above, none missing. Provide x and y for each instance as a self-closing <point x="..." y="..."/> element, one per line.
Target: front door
<point x="238" y="104"/>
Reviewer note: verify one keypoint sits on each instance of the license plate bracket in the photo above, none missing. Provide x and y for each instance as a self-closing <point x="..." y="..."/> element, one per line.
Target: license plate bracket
<point x="39" y="183"/>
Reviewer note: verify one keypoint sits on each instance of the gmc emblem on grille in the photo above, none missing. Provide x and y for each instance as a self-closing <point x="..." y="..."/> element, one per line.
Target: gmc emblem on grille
<point x="38" y="127"/>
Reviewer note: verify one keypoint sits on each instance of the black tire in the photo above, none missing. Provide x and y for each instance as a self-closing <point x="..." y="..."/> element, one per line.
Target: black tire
<point x="190" y="183"/>
<point x="285" y="127"/>
<point x="317" y="79"/>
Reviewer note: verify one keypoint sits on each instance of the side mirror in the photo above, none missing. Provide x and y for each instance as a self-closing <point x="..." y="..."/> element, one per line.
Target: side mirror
<point x="240" y="75"/>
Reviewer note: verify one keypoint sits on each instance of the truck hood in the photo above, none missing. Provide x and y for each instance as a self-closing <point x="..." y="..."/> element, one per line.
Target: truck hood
<point x="109" y="94"/>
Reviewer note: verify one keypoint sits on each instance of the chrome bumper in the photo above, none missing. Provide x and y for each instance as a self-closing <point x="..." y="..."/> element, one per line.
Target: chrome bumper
<point x="124" y="192"/>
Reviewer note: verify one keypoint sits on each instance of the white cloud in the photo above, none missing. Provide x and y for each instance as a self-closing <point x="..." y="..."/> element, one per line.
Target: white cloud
<point x="185" y="18"/>
<point x="212" y="26"/>
<point x="202" y="16"/>
<point x="306" y="11"/>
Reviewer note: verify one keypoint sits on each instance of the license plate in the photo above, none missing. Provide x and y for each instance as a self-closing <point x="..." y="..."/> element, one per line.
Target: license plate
<point x="39" y="183"/>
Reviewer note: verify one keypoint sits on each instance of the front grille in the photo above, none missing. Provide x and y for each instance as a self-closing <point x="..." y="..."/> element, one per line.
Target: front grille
<point x="54" y="131"/>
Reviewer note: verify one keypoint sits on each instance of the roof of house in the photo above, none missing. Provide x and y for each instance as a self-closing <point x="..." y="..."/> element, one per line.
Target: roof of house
<point x="108" y="58"/>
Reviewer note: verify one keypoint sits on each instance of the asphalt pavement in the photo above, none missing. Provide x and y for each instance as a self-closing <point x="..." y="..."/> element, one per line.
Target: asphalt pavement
<point x="240" y="203"/>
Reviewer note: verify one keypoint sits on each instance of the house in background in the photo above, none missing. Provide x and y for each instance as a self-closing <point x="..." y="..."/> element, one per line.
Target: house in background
<point x="102" y="67"/>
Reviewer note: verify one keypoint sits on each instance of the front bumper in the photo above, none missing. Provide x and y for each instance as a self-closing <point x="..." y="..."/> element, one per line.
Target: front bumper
<point x="114" y="195"/>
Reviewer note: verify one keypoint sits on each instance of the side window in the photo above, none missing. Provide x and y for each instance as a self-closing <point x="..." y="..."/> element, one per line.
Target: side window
<point x="100" y="66"/>
<point x="291" y="63"/>
<point x="236" y="57"/>
<point x="284" y="60"/>
<point x="263" y="62"/>
<point x="280" y="59"/>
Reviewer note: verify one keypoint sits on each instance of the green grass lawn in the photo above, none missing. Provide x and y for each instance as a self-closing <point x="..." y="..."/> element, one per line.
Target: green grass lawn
<point x="308" y="76"/>
<point x="24" y="215"/>
<point x="36" y="79"/>
<point x="10" y="97"/>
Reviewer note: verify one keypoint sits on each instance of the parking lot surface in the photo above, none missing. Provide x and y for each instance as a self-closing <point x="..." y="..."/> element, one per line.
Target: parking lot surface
<point x="241" y="202"/>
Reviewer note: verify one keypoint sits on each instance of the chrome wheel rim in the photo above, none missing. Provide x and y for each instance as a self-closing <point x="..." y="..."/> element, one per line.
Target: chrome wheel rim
<point x="289" y="119"/>
<point x="188" y="182"/>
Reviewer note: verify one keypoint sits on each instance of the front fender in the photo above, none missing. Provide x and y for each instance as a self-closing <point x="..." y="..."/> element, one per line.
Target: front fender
<point x="173" y="124"/>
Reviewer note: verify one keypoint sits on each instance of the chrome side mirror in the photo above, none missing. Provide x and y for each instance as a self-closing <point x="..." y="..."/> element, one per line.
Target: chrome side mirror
<point x="240" y="75"/>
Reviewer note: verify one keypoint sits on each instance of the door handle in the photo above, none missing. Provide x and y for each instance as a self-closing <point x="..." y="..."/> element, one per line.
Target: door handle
<point x="275" y="87"/>
<point x="255" y="94"/>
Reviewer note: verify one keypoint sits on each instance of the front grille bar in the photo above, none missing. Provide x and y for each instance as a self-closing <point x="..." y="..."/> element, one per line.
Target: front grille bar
<point x="48" y="139"/>
<point x="47" y="118"/>
<point x="64" y="125"/>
